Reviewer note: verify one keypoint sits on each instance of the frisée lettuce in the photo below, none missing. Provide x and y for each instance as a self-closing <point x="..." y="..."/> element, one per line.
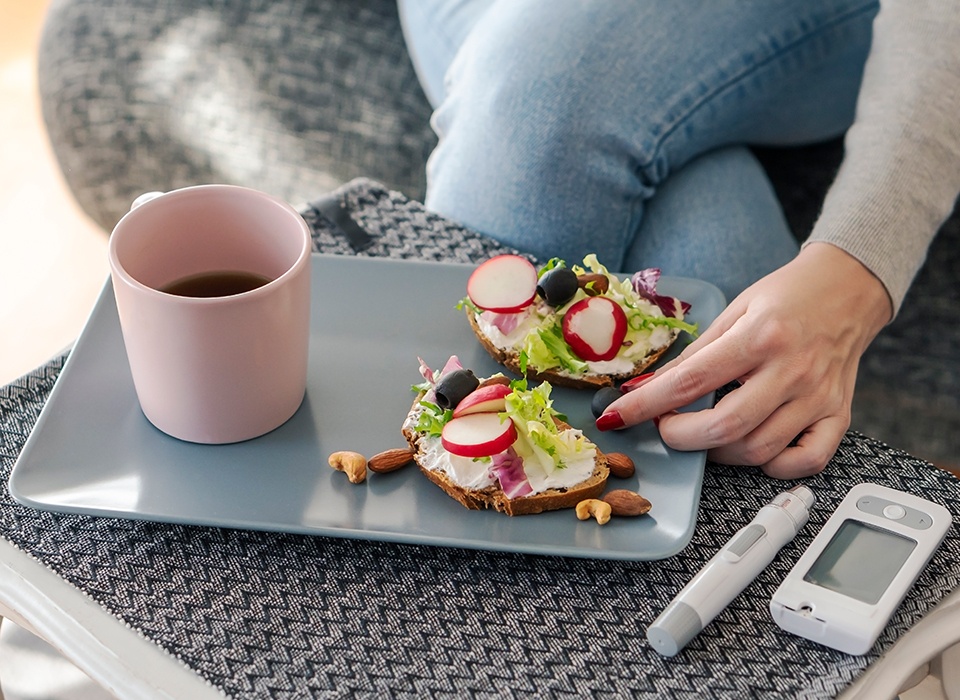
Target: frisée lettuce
<point x="540" y="440"/>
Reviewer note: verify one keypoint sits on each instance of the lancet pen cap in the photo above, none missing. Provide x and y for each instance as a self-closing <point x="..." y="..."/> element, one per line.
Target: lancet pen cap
<point x="674" y="629"/>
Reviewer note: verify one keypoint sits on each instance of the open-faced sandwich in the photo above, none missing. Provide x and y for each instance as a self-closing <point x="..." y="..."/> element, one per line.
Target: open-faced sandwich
<point x="494" y="443"/>
<point x="581" y="327"/>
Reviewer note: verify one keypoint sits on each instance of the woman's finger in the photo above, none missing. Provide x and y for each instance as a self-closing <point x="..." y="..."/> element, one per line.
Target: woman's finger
<point x="732" y="356"/>
<point x="723" y="323"/>
<point x="748" y="426"/>
<point x="811" y="452"/>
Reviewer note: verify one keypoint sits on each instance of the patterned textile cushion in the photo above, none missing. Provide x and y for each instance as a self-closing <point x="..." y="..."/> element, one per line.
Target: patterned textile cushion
<point x="267" y="614"/>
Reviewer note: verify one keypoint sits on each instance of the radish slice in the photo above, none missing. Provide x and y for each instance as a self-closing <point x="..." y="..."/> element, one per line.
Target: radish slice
<point x="487" y="399"/>
<point x="504" y="284"/>
<point x="594" y="328"/>
<point x="478" y="435"/>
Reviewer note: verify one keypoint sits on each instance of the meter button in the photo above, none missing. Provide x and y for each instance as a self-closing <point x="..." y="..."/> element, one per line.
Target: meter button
<point x="872" y="504"/>
<point x="894" y="512"/>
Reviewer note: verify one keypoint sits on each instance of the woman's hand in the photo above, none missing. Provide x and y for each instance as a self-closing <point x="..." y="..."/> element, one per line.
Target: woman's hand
<point x="793" y="341"/>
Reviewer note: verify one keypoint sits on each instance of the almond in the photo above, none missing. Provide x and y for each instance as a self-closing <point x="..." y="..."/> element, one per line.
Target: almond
<point x="390" y="460"/>
<point x="621" y="466"/>
<point x="626" y="503"/>
<point x="593" y="284"/>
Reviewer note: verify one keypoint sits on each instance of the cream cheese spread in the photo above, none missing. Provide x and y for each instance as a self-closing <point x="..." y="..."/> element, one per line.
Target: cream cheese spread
<point x="475" y="473"/>
<point x="642" y="344"/>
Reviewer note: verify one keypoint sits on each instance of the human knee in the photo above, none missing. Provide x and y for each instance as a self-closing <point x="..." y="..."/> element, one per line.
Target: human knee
<point x="519" y="113"/>
<point x="538" y="93"/>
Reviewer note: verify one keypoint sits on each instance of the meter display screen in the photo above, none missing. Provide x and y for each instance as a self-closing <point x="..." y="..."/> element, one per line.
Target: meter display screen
<point x="860" y="561"/>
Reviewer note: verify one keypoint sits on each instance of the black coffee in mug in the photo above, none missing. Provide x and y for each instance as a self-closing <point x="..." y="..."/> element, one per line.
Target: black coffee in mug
<point x="219" y="283"/>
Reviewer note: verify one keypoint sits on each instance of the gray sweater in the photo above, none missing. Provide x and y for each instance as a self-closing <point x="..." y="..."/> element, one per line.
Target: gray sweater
<point x="901" y="171"/>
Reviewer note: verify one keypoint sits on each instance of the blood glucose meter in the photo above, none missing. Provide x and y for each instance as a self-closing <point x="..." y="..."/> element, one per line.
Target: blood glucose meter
<point x="845" y="587"/>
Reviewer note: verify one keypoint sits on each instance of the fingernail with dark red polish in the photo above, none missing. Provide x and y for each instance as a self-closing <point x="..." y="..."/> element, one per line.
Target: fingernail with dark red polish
<point x="632" y="384"/>
<point x="611" y="420"/>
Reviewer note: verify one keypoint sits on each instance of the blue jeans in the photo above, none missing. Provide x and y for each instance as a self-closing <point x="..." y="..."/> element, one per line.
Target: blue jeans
<point x="620" y="126"/>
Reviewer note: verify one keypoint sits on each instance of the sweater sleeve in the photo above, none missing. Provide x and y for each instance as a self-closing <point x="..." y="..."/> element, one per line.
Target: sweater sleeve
<point x="900" y="174"/>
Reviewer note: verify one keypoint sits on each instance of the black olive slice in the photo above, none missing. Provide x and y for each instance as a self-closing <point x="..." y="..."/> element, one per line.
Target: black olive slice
<point x="558" y="286"/>
<point x="454" y="386"/>
<point x="603" y="398"/>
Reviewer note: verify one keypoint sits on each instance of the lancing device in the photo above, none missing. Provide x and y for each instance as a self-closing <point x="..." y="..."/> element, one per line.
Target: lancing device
<point x="730" y="570"/>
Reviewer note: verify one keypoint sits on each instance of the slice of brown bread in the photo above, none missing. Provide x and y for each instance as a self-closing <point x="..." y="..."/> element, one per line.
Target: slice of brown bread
<point x="494" y="497"/>
<point x="511" y="361"/>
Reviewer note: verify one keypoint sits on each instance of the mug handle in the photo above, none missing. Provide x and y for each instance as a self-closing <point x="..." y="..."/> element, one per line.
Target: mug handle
<point x="144" y="198"/>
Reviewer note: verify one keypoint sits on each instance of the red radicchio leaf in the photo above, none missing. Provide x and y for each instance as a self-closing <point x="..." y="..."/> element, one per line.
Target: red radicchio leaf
<point x="426" y="372"/>
<point x="502" y="322"/>
<point x="508" y="468"/>
<point x="451" y="365"/>
<point x="645" y="284"/>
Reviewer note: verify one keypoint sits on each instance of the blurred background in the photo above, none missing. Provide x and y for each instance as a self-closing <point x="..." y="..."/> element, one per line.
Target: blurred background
<point x="53" y="256"/>
<point x="54" y="265"/>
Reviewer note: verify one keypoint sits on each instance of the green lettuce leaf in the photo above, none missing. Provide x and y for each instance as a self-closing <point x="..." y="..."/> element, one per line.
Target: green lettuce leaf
<point x="538" y="437"/>
<point x="546" y="349"/>
<point x="432" y="419"/>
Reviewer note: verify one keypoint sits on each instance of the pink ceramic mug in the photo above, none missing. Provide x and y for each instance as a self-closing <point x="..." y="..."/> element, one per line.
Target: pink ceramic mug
<point x="212" y="364"/>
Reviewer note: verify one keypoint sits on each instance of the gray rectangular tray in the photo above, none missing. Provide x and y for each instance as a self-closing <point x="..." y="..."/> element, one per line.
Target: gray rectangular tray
<point x="93" y="452"/>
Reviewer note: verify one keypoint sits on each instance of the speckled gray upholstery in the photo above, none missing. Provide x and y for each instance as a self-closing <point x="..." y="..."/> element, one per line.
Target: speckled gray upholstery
<point x="293" y="97"/>
<point x="298" y="97"/>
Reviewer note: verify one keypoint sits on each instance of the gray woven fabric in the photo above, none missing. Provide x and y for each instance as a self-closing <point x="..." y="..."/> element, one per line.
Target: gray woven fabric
<point x="274" y="615"/>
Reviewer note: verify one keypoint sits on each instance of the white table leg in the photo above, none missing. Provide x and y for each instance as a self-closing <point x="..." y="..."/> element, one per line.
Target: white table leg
<point x="1" y="681"/>
<point x="115" y="656"/>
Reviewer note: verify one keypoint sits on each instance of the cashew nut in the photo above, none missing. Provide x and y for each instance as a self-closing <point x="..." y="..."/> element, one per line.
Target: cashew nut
<point x="594" y="508"/>
<point x="353" y="464"/>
